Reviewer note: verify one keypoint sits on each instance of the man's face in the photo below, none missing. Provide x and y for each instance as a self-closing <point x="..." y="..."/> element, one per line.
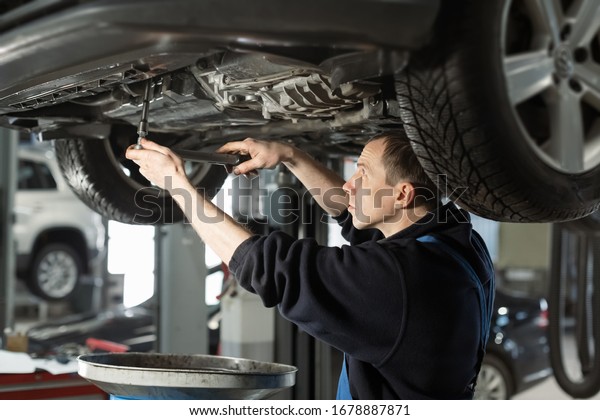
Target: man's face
<point x="371" y="199"/>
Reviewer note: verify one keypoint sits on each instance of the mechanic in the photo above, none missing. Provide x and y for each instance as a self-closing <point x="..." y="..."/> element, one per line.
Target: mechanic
<point x="408" y="301"/>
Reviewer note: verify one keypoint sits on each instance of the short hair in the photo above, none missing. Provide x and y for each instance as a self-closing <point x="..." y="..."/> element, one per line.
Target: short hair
<point x="401" y="164"/>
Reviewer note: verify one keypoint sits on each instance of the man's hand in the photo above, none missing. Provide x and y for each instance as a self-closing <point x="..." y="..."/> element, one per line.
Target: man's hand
<point x="158" y="164"/>
<point x="324" y="184"/>
<point x="264" y="154"/>
<point x="165" y="169"/>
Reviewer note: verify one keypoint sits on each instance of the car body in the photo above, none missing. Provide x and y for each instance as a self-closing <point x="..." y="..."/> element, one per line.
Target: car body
<point x="518" y="352"/>
<point x="58" y="238"/>
<point x="498" y="98"/>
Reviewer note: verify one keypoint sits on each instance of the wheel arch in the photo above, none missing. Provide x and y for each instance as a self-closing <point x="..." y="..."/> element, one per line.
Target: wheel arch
<point x="505" y="359"/>
<point x="66" y="235"/>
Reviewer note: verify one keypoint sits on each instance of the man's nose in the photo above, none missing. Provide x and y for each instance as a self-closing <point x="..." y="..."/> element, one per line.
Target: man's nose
<point x="348" y="186"/>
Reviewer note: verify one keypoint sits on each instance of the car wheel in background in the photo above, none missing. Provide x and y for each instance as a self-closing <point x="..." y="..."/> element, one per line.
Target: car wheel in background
<point x="494" y="380"/>
<point x="55" y="272"/>
<point x="98" y="172"/>
<point x="506" y="105"/>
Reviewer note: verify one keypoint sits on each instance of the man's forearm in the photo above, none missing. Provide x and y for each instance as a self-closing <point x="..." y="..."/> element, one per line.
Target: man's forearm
<point x="323" y="183"/>
<point x="217" y="229"/>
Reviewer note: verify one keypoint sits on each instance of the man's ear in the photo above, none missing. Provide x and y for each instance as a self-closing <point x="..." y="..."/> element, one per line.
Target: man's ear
<point x="404" y="193"/>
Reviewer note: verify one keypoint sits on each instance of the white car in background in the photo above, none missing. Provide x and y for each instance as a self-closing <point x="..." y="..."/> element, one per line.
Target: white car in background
<point x="58" y="238"/>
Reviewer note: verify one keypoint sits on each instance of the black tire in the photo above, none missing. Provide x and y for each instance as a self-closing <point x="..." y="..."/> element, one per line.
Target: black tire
<point x="94" y="169"/>
<point x="589" y="225"/>
<point x="55" y="272"/>
<point x="494" y="381"/>
<point x="457" y="110"/>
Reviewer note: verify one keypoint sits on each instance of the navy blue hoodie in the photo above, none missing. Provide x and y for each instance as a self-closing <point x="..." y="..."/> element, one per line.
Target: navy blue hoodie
<point x="405" y="312"/>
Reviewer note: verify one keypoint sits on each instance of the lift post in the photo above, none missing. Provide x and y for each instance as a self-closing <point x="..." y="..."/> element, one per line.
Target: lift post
<point x="180" y="276"/>
<point x="8" y="169"/>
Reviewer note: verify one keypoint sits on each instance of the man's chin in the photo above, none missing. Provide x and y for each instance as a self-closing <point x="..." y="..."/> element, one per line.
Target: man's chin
<point x="359" y="225"/>
<point x="356" y="222"/>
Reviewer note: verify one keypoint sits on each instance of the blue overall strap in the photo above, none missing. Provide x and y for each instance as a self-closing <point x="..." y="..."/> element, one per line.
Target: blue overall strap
<point x="484" y="303"/>
<point x="343" y="391"/>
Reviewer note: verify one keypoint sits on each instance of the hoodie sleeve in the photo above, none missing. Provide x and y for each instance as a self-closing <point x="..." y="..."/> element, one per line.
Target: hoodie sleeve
<point x="343" y="296"/>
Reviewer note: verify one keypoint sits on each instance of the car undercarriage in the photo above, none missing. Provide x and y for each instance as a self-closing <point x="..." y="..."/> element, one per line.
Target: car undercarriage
<point x="500" y="99"/>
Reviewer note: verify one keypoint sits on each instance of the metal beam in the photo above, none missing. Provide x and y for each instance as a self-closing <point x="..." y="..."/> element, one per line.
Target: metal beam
<point x="8" y="181"/>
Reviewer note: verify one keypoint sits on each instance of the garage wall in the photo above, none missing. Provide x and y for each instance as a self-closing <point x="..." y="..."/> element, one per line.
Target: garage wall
<point x="524" y="245"/>
<point x="524" y="258"/>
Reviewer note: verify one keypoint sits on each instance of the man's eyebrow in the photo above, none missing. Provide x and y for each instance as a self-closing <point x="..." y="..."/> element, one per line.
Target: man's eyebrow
<point x="364" y="164"/>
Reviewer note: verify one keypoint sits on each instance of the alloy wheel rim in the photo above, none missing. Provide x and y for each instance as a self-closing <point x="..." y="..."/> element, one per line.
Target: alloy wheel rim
<point x="57" y="274"/>
<point x="491" y="384"/>
<point x="551" y="66"/>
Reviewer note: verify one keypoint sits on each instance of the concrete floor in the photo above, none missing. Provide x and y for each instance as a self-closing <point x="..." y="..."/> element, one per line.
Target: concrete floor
<point x="547" y="390"/>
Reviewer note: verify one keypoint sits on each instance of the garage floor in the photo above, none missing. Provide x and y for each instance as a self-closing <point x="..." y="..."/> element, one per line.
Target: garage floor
<point x="547" y="390"/>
